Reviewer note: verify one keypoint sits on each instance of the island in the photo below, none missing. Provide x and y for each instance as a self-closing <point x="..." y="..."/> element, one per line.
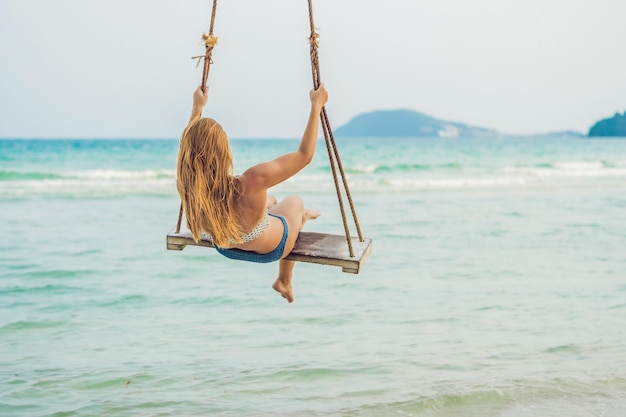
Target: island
<point x="615" y="126"/>
<point x="404" y="123"/>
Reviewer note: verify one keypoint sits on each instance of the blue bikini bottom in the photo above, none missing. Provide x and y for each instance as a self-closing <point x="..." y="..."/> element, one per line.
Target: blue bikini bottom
<point x="244" y="255"/>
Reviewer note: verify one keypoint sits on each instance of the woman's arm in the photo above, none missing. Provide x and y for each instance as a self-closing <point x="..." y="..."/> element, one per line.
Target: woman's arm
<point x="268" y="174"/>
<point x="318" y="99"/>
<point x="200" y="98"/>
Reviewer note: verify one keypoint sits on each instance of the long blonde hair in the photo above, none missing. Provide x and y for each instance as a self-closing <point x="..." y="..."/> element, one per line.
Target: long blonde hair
<point x="208" y="190"/>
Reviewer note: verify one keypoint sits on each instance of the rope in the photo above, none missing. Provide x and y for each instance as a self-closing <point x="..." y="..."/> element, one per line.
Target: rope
<point x="333" y="153"/>
<point x="210" y="41"/>
<point x="331" y="146"/>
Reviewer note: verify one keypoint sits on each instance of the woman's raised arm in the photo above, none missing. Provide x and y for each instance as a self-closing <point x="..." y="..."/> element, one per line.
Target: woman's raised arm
<point x="200" y="98"/>
<point x="268" y="174"/>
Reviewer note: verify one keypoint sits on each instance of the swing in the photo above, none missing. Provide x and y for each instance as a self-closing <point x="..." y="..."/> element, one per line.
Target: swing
<point x="348" y="252"/>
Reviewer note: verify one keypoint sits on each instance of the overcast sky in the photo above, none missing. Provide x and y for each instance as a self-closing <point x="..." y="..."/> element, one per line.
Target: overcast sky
<point x="122" y="68"/>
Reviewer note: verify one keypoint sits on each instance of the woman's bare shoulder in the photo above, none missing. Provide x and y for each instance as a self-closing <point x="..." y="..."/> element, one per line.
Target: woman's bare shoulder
<point x="254" y="178"/>
<point x="252" y="182"/>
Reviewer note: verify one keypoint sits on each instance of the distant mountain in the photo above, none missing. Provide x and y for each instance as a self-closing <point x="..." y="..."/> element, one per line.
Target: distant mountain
<point x="409" y="123"/>
<point x="615" y="126"/>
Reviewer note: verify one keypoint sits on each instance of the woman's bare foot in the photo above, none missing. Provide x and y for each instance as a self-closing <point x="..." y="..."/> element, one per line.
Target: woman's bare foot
<point x="310" y="215"/>
<point x="284" y="287"/>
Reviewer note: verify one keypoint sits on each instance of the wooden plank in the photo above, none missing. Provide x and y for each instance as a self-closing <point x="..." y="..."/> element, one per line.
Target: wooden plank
<point x="311" y="247"/>
<point x="325" y="249"/>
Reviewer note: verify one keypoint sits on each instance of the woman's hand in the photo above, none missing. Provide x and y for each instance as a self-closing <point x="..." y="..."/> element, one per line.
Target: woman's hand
<point x="200" y="98"/>
<point x="319" y="97"/>
<point x="199" y="101"/>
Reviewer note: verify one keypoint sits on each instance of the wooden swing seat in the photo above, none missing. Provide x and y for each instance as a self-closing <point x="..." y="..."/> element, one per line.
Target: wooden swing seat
<point x="311" y="247"/>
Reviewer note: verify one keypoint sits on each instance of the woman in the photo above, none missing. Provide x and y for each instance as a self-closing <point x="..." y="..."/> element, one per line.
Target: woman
<point x="235" y="211"/>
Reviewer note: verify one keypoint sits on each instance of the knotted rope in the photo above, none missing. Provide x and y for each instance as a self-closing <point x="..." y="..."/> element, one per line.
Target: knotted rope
<point x="210" y="41"/>
<point x="331" y="146"/>
<point x="333" y="154"/>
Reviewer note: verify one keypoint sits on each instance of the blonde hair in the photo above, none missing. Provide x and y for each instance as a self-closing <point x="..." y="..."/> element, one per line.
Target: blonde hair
<point x="208" y="190"/>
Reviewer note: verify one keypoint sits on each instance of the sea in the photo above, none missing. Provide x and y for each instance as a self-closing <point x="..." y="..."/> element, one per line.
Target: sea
<point x="496" y="286"/>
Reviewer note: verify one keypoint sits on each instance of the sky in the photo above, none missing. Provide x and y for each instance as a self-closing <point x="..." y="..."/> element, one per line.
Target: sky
<point x="123" y="68"/>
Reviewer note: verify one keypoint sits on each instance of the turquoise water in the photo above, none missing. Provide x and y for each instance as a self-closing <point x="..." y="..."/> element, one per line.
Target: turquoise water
<point x="496" y="286"/>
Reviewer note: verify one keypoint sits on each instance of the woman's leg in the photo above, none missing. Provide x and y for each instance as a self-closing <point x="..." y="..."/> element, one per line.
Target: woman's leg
<point x="292" y="209"/>
<point x="283" y="284"/>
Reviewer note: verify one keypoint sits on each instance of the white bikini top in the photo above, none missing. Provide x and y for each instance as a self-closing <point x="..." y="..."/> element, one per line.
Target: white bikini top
<point x="251" y="235"/>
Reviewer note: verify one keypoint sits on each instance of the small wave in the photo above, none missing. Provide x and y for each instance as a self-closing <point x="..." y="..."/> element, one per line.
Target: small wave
<point x="27" y="176"/>
<point x="46" y="289"/>
<point x="557" y="397"/>
<point x="573" y="169"/>
<point x="310" y="374"/>
<point x="88" y="183"/>
<point x="366" y="169"/>
<point x="453" y="183"/>
<point x="403" y="168"/>
<point x="578" y="166"/>
<point x="571" y="348"/>
<point x="382" y="183"/>
<point x="97" y="174"/>
<point x="399" y="168"/>
<point x="111" y="174"/>
<point x="124" y="300"/>
<point x="26" y="325"/>
<point x="407" y="183"/>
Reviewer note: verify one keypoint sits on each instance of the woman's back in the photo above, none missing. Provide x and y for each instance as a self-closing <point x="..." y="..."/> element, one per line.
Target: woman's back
<point x="236" y="211"/>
